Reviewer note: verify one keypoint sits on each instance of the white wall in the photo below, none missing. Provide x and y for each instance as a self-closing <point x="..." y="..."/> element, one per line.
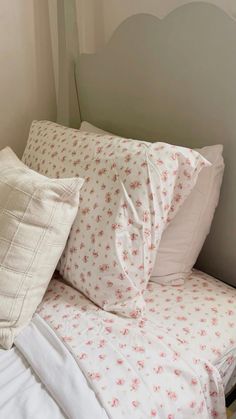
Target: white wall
<point x="97" y="19"/>
<point x="27" y="88"/>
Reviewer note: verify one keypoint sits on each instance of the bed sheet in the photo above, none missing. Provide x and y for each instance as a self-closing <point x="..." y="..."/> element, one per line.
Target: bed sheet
<point x="22" y="394"/>
<point x="201" y="316"/>
<point x="136" y="367"/>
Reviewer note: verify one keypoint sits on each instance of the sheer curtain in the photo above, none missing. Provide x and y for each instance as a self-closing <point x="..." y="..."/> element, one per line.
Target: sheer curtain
<point x="65" y="45"/>
<point x="85" y="26"/>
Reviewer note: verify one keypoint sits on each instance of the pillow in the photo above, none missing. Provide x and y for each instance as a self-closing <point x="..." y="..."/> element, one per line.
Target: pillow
<point x="184" y="237"/>
<point x="132" y="189"/>
<point x="87" y="127"/>
<point x="36" y="214"/>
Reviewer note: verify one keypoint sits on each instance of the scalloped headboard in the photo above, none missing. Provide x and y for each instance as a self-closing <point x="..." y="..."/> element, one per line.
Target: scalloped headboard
<point x="173" y="79"/>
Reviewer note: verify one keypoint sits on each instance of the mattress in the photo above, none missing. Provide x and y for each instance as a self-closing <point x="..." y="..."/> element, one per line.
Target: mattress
<point x="201" y="316"/>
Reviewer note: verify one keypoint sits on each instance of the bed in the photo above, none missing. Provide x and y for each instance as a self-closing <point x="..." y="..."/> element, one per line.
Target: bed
<point x="174" y="316"/>
<point x="179" y="359"/>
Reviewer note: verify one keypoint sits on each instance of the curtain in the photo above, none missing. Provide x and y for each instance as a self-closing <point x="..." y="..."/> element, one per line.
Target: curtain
<point x="65" y="44"/>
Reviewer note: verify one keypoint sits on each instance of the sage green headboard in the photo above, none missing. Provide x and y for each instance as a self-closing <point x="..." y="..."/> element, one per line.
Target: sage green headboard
<point x="174" y="80"/>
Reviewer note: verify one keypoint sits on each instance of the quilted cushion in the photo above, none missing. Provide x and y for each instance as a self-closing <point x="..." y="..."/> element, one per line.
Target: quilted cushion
<point x="36" y="214"/>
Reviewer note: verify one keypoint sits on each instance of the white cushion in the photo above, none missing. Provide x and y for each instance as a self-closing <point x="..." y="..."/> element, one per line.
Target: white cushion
<point x="184" y="237"/>
<point x="132" y="188"/>
<point x="36" y="214"/>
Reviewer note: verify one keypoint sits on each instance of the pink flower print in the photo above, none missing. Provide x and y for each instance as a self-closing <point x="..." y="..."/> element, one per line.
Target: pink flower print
<point x="124" y="332"/>
<point x="85" y="210"/>
<point x="108" y="197"/>
<point x="181" y="318"/>
<point x="104" y="267"/>
<point x="135" y="403"/>
<point x="141" y="363"/>
<point x="192" y="404"/>
<point x="138" y="203"/>
<point x="135" y="185"/>
<point x="109" y="213"/>
<point x="135" y="384"/>
<point x="135" y="313"/>
<point x="162" y="354"/>
<point x="83" y="356"/>
<point x="208" y="368"/>
<point x="214" y="414"/>
<point x="187" y="174"/>
<point x="115" y="402"/>
<point x="125" y="255"/>
<point x="102" y="343"/>
<point x="146" y="216"/>
<point x="115" y="226"/>
<point x="134" y="237"/>
<point x="127" y="158"/>
<point x="172" y="395"/>
<point x="67" y="338"/>
<point x="164" y="175"/>
<point x="102" y="171"/>
<point x="158" y="369"/>
<point x="95" y="376"/>
<point x="153" y="413"/>
<point x="119" y="294"/>
<point x="177" y="372"/>
<point x="72" y="250"/>
<point x="177" y="197"/>
<point x="120" y="381"/>
<point x="170" y="416"/>
<point x="119" y="361"/>
<point x="214" y="321"/>
<point x="139" y="349"/>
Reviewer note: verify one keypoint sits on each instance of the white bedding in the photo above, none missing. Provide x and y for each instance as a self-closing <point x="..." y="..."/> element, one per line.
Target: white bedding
<point x="22" y="395"/>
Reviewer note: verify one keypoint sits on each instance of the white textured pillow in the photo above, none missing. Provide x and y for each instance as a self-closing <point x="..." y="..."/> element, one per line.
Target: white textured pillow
<point x="132" y="188"/>
<point x="36" y="214"/>
<point x="184" y="237"/>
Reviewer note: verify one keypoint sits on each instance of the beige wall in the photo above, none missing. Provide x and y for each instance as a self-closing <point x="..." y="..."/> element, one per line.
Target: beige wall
<point x="97" y="19"/>
<point x="27" y="88"/>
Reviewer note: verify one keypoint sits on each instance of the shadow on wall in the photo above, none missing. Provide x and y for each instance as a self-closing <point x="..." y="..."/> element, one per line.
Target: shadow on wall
<point x="27" y="88"/>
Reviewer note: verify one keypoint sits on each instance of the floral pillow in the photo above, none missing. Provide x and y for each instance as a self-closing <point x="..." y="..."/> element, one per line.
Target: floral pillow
<point x="132" y="190"/>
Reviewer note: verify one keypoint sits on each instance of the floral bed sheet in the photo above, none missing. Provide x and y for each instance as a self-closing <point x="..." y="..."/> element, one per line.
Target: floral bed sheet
<point x="164" y="365"/>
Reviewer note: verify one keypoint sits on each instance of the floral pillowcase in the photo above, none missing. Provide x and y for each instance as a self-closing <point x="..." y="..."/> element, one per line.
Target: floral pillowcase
<point x="132" y="190"/>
